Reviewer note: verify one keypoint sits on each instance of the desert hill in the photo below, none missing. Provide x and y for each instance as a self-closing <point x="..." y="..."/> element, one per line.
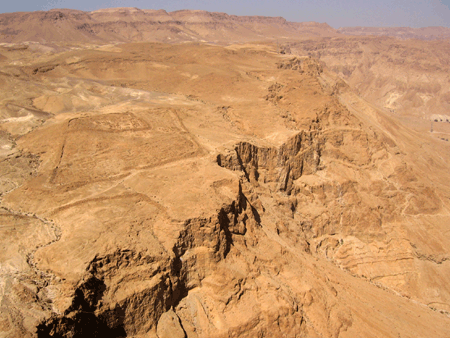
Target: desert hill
<point x="425" y="33"/>
<point x="407" y="78"/>
<point x="133" y="24"/>
<point x="205" y="190"/>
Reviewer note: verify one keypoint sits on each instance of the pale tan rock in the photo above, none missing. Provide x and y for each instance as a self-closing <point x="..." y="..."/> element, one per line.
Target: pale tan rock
<point x="133" y="24"/>
<point x="254" y="193"/>
<point x="169" y="326"/>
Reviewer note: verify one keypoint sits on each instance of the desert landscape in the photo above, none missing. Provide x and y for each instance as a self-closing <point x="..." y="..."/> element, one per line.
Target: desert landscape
<point x="198" y="174"/>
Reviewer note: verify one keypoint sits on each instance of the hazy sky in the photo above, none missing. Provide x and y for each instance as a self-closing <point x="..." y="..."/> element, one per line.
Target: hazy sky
<point x="337" y="13"/>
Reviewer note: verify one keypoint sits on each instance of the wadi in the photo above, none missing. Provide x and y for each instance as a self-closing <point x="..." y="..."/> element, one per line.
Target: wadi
<point x="196" y="174"/>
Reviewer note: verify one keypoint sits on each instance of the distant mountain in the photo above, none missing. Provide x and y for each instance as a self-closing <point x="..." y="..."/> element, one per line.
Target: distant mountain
<point x="133" y="24"/>
<point x="408" y="77"/>
<point x="425" y="33"/>
<point x="196" y="190"/>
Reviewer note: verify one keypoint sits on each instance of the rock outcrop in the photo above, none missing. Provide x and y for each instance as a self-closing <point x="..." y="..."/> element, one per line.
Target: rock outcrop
<point x="190" y="190"/>
<point x="406" y="78"/>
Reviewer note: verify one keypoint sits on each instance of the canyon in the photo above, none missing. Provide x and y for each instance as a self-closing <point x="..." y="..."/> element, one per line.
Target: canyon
<point x="196" y="174"/>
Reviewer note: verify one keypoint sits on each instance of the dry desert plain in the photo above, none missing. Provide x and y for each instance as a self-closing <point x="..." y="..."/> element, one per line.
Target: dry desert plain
<point x="195" y="174"/>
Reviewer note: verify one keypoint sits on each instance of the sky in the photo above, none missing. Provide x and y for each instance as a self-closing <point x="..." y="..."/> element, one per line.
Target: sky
<point x="337" y="13"/>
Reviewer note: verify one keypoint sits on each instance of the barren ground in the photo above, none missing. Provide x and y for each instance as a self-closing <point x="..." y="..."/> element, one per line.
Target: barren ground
<point x="196" y="190"/>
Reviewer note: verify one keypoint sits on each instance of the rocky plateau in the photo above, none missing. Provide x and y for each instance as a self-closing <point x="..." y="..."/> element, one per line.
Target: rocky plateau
<point x="195" y="174"/>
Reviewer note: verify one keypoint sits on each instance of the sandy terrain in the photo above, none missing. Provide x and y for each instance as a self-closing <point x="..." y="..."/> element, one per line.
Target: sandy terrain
<point x="196" y="190"/>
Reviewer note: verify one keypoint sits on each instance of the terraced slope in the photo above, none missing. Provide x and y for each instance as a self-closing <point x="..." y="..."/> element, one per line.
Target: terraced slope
<point x="424" y="33"/>
<point x="408" y="78"/>
<point x="195" y="191"/>
<point x="133" y="24"/>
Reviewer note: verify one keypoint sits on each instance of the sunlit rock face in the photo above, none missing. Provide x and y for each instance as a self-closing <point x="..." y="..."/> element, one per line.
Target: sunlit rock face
<point x="197" y="190"/>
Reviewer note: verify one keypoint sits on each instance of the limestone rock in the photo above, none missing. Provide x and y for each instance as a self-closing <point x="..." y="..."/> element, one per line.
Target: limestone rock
<point x="169" y="326"/>
<point x="200" y="190"/>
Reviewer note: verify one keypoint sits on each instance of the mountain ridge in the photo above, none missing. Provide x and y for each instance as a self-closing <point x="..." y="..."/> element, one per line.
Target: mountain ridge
<point x="132" y="24"/>
<point x="219" y="189"/>
<point x="403" y="33"/>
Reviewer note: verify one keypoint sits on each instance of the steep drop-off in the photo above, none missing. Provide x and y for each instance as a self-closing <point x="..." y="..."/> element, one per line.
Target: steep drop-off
<point x="408" y="78"/>
<point x="153" y="190"/>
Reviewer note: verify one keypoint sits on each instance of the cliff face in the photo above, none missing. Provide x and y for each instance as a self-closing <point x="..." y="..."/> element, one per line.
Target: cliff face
<point x="132" y="24"/>
<point x="402" y="70"/>
<point x="407" y="78"/>
<point x="196" y="191"/>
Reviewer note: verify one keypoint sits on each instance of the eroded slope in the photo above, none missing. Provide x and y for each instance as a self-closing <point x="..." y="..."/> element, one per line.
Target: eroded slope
<point x="129" y="24"/>
<point x="408" y="78"/>
<point x="192" y="190"/>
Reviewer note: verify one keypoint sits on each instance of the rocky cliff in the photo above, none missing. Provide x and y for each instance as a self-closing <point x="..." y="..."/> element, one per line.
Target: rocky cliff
<point x="133" y="24"/>
<point x="153" y="190"/>
<point x="406" y="78"/>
